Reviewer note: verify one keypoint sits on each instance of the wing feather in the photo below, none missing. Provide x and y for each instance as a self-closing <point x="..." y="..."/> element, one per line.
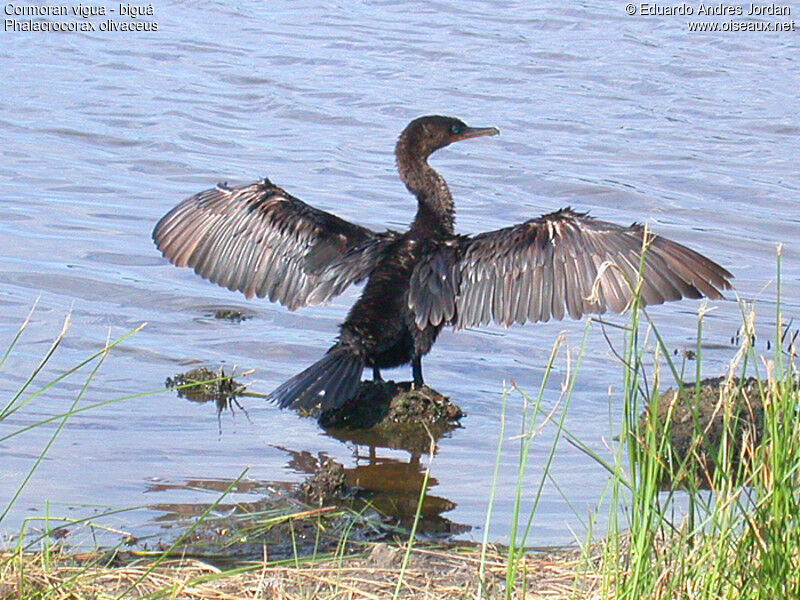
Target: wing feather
<point x="564" y="263"/>
<point x="260" y="240"/>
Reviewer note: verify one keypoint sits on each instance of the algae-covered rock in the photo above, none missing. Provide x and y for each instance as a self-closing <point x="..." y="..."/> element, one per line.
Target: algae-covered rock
<point x="696" y="423"/>
<point x="230" y="314"/>
<point x="393" y="415"/>
<point x="386" y="403"/>
<point x="204" y="385"/>
<point x="327" y="485"/>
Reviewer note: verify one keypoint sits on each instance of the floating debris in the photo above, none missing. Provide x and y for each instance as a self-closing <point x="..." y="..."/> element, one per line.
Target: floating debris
<point x="205" y="385"/>
<point x="230" y="314"/>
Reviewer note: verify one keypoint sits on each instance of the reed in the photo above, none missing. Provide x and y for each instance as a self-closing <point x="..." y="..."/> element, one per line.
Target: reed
<point x="675" y="528"/>
<point x="738" y="535"/>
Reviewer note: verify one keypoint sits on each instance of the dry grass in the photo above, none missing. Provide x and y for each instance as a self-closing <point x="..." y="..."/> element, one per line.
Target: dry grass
<point x="432" y="573"/>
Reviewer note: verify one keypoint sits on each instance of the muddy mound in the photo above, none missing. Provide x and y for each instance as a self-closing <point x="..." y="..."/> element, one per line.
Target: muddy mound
<point x="386" y="403"/>
<point x="327" y="485"/>
<point x="696" y="423"/>
<point x="393" y="415"/>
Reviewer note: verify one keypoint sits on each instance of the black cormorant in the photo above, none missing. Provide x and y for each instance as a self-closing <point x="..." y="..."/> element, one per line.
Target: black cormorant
<point x="262" y="241"/>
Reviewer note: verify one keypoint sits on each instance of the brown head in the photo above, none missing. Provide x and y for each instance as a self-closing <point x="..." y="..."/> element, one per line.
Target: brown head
<point x="425" y="135"/>
<point x="419" y="140"/>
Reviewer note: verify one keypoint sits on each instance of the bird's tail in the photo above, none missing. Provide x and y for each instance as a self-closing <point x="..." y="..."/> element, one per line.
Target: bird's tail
<point x="327" y="384"/>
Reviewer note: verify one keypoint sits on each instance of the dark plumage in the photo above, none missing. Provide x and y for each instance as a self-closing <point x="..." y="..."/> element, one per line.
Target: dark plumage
<point x="260" y="240"/>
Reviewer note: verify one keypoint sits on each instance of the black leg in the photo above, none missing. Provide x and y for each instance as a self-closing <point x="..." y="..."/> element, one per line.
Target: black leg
<point x="416" y="370"/>
<point x="376" y="374"/>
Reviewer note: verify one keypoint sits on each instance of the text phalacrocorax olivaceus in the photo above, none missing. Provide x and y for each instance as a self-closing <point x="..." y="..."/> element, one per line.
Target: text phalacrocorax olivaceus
<point x="262" y="241"/>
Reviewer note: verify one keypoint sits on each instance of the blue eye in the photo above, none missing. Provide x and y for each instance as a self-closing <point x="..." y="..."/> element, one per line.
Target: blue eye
<point x="456" y="128"/>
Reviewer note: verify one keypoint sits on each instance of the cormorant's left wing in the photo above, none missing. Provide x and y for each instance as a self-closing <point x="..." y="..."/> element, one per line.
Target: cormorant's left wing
<point x="563" y="263"/>
<point x="262" y="241"/>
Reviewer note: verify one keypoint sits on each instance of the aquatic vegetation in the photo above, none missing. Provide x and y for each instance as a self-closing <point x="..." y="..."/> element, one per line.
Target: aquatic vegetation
<point x="738" y="536"/>
<point x="703" y="495"/>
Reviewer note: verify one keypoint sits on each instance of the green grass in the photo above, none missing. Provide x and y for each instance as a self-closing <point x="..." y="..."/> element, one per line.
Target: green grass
<point x="45" y="546"/>
<point x="739" y="539"/>
<point x="737" y="536"/>
<point x="666" y="537"/>
<point x="28" y="393"/>
<point x="49" y="528"/>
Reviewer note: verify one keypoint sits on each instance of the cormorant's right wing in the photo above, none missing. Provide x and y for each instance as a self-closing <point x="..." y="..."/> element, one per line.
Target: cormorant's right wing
<point x="563" y="263"/>
<point x="260" y="240"/>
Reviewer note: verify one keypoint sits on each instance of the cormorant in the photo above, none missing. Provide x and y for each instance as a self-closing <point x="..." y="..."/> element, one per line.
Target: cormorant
<point x="260" y="240"/>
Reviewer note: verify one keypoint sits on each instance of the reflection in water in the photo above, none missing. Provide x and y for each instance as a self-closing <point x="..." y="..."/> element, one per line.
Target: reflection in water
<point x="176" y="512"/>
<point x="380" y="496"/>
<point x="390" y="485"/>
<point x="217" y="486"/>
<point x="387" y="485"/>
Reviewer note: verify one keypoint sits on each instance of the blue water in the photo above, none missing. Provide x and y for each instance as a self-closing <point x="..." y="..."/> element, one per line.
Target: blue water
<point x="631" y="118"/>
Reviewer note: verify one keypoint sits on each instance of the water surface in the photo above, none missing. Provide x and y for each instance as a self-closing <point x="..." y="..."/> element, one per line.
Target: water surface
<point x="629" y="118"/>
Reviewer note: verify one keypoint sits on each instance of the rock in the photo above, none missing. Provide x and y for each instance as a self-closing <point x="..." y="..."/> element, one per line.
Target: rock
<point x="697" y="427"/>
<point x="326" y="485"/>
<point x="386" y="403"/>
<point x="393" y="415"/>
<point x="384" y="556"/>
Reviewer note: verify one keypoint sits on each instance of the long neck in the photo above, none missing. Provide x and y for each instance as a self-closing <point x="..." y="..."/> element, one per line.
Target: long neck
<point x="435" y="211"/>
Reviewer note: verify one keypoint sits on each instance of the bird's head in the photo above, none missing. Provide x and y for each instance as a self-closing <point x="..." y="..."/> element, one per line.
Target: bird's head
<point x="425" y="135"/>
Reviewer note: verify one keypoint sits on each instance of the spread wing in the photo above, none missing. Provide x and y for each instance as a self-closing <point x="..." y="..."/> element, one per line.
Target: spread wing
<point x="262" y="241"/>
<point x="559" y="264"/>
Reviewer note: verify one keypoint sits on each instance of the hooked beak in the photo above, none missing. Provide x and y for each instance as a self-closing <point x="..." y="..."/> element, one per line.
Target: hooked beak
<point x="472" y="132"/>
